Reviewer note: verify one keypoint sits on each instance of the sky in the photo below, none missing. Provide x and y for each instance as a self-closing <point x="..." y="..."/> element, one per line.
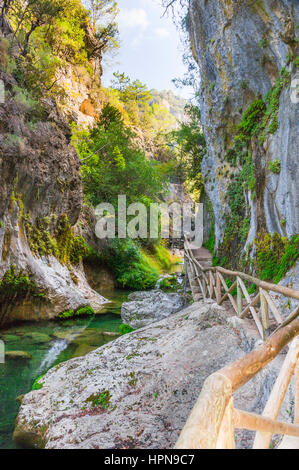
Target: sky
<point x="150" y="47"/>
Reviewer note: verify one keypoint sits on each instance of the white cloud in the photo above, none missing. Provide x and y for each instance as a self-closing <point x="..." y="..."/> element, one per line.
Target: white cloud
<point x="162" y="32"/>
<point x="132" y="18"/>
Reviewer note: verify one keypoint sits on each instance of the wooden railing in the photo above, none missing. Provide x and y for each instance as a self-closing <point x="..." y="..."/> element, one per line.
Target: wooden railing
<point x="212" y="284"/>
<point x="213" y="420"/>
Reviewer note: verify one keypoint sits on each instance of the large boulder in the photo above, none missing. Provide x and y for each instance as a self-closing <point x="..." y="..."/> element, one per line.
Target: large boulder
<point x="145" y="308"/>
<point x="137" y="391"/>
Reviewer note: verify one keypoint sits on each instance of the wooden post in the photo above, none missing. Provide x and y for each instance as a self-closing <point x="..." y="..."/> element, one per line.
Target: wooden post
<point x="203" y="425"/>
<point x="265" y="313"/>
<point x="296" y="420"/>
<point x="273" y="307"/>
<point x="218" y="288"/>
<point x="263" y="439"/>
<point x="186" y="274"/>
<point x="226" y="436"/>
<point x="252" y="422"/>
<point x="211" y="284"/>
<point x="239" y="297"/>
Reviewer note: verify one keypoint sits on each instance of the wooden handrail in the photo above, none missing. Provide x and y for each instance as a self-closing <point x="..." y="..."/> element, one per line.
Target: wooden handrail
<point x="246" y="277"/>
<point x="213" y="419"/>
<point x="212" y="288"/>
<point x="247" y="367"/>
<point x="265" y="285"/>
<point x="205" y="422"/>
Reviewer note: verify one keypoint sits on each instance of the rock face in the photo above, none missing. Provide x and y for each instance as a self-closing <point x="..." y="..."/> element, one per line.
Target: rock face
<point x="39" y="180"/>
<point x="240" y="47"/>
<point x="145" y="308"/>
<point x="137" y="391"/>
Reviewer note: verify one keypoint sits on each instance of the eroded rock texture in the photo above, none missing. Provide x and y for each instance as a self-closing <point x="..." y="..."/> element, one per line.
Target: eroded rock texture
<point x="137" y="391"/>
<point x="40" y="187"/>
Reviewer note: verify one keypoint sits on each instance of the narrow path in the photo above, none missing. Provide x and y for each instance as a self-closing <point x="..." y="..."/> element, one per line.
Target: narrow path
<point x="205" y="259"/>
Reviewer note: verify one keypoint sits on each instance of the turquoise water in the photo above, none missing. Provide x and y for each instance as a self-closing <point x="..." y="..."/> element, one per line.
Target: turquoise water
<point x="48" y="343"/>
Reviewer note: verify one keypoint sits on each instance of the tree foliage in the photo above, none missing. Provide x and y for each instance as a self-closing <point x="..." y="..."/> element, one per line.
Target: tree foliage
<point x="191" y="148"/>
<point x="112" y="165"/>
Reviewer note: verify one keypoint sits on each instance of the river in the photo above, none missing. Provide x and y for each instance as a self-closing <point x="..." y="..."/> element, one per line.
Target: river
<point x="49" y="343"/>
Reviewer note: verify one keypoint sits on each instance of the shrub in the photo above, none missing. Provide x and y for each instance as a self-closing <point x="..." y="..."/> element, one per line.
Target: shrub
<point x="275" y="166"/>
<point x="83" y="311"/>
<point x="169" y="284"/>
<point x="276" y="255"/>
<point x="250" y="123"/>
<point x="18" y="286"/>
<point x="131" y="268"/>
<point x="212" y="86"/>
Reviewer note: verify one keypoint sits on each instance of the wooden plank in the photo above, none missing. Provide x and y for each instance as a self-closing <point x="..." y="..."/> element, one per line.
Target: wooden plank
<point x="273" y="307"/>
<point x="232" y="301"/>
<point x="252" y="304"/>
<point x="242" y="370"/>
<point x="226" y="436"/>
<point x="294" y="294"/>
<point x="239" y="297"/>
<point x="211" y="285"/>
<point x="264" y="313"/>
<point x="251" y="308"/>
<point x="229" y="291"/>
<point x="218" y="288"/>
<point x="296" y="391"/>
<point x="262" y="440"/>
<point x="289" y="320"/>
<point x="202" y="427"/>
<point x="253" y="422"/>
<point x="201" y="284"/>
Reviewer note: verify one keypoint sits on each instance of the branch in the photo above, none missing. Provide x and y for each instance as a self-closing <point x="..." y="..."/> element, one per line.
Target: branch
<point x="96" y="151"/>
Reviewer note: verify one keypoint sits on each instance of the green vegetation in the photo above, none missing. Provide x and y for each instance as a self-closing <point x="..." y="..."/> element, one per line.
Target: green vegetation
<point x="111" y="164"/>
<point x="16" y="287"/>
<point x="275" y="166"/>
<point x="125" y="329"/>
<point x="38" y="384"/>
<point x="165" y="259"/>
<point x="132" y="269"/>
<point x="169" y="284"/>
<point x="49" y="34"/>
<point x="81" y="312"/>
<point x="62" y="244"/>
<point x="212" y="86"/>
<point x="264" y="42"/>
<point x="100" y="400"/>
<point x="260" y="119"/>
<point x="133" y="379"/>
<point x="190" y="146"/>
<point x="276" y="255"/>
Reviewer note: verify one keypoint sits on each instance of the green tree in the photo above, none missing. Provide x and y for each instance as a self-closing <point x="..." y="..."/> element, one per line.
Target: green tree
<point x="112" y="165"/>
<point x="191" y="147"/>
<point x="102" y="14"/>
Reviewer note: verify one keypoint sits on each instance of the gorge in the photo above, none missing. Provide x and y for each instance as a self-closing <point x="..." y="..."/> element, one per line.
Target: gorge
<point x="68" y="144"/>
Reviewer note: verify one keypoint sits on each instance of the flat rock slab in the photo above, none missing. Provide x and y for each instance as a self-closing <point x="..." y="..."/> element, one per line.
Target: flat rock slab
<point x="17" y="355"/>
<point x="137" y="391"/>
<point x="145" y="308"/>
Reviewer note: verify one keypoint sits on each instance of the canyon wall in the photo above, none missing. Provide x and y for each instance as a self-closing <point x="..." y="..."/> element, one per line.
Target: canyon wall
<point x="246" y="51"/>
<point x="41" y="196"/>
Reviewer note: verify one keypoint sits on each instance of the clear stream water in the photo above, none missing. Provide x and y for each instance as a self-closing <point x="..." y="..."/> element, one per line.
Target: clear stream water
<point x="48" y="343"/>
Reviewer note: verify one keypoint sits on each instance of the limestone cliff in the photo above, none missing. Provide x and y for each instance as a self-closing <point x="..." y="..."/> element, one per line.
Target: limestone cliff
<point x="41" y="199"/>
<point x="246" y="51"/>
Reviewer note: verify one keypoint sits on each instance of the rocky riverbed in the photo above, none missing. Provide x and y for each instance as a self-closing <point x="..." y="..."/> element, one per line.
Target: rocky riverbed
<point x="138" y="390"/>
